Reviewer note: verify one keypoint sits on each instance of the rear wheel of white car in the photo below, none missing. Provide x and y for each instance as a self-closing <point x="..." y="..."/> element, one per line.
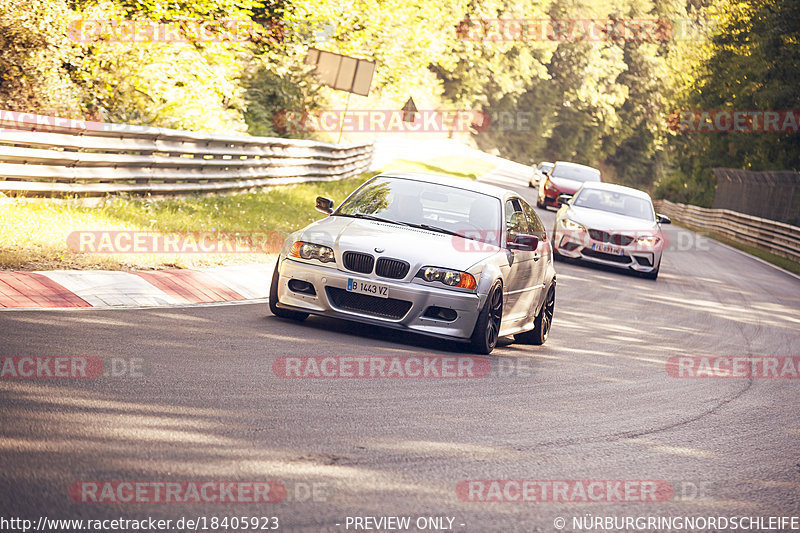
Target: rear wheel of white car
<point x="487" y="328"/>
<point x="273" y="301"/>
<point x="542" y="323"/>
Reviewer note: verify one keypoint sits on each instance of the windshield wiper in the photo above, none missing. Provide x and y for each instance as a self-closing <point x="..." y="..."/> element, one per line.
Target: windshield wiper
<point x="373" y="218"/>
<point x="442" y="230"/>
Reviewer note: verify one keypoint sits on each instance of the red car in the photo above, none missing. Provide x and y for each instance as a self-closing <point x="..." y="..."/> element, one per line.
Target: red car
<point x="564" y="178"/>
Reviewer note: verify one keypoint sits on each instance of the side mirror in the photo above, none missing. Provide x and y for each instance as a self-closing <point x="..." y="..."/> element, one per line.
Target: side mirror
<point x="663" y="219"/>
<point x="324" y="205"/>
<point x="524" y="242"/>
<point x="564" y="198"/>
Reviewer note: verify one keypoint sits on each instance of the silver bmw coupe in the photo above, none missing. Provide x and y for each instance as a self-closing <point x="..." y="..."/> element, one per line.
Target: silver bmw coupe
<point x="440" y="256"/>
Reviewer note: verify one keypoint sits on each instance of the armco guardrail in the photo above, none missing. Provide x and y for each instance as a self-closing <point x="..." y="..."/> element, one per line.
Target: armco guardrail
<point x="42" y="155"/>
<point x="776" y="237"/>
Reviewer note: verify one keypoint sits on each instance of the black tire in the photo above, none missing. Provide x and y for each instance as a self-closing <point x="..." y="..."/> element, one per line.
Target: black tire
<point x="487" y="327"/>
<point x="273" y="301"/>
<point x="542" y="323"/>
<point x="540" y="204"/>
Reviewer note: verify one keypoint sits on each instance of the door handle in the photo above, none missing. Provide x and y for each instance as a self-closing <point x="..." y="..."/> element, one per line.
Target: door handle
<point x="536" y="256"/>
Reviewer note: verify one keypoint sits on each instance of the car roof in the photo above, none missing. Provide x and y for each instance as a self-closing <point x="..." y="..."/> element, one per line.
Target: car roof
<point x="575" y="165"/>
<point x="613" y="187"/>
<point x="458" y="183"/>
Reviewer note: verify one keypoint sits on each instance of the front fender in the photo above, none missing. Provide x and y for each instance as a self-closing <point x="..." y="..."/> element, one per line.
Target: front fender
<point x="490" y="272"/>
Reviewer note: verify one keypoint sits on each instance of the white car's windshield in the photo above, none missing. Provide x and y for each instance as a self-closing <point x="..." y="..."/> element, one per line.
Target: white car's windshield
<point x="575" y="173"/>
<point x="430" y="205"/>
<point x="615" y="202"/>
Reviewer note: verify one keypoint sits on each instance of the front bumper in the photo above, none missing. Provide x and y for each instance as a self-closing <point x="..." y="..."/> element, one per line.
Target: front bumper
<point x="548" y="197"/>
<point x="578" y="245"/>
<point x="330" y="286"/>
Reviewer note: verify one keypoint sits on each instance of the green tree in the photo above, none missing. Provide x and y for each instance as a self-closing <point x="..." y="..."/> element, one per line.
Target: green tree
<point x="37" y="60"/>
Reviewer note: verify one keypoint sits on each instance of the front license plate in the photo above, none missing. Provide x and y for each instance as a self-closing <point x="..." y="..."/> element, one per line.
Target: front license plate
<point x="607" y="248"/>
<point x="365" y="287"/>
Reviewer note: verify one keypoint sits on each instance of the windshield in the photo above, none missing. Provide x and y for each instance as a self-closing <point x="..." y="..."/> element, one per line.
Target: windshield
<point x="576" y="173"/>
<point x="466" y="213"/>
<point x="615" y="202"/>
<point x="545" y="167"/>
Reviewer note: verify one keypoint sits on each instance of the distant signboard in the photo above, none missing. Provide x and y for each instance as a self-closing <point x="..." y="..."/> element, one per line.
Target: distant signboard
<point x="342" y="72"/>
<point x="409" y="111"/>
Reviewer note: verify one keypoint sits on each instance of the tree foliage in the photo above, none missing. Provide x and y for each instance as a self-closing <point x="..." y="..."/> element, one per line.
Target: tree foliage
<point x="604" y="101"/>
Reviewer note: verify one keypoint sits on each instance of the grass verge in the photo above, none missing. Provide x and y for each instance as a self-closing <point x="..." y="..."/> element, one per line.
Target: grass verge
<point x="35" y="233"/>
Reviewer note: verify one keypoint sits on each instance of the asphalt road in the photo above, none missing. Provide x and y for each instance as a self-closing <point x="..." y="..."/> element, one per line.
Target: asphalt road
<point x="595" y="403"/>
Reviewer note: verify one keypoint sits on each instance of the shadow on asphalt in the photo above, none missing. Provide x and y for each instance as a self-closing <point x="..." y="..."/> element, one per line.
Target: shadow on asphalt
<point x="409" y="341"/>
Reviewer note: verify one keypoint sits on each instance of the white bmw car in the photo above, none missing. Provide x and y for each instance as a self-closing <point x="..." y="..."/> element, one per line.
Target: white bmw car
<point x="440" y="256"/>
<point x="612" y="225"/>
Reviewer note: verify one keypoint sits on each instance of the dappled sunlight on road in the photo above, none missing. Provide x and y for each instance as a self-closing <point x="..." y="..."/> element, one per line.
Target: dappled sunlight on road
<point x="776" y="316"/>
<point x="210" y="407"/>
<point x="673" y="450"/>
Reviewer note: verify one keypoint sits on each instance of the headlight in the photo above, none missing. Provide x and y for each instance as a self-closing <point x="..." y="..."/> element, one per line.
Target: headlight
<point x="571" y="225"/>
<point x="648" y="240"/>
<point x="454" y="278"/>
<point x="548" y="185"/>
<point x="307" y="250"/>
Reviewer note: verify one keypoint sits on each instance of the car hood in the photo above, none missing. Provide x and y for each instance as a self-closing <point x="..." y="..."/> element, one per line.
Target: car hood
<point x="603" y="220"/>
<point x="418" y="247"/>
<point x="566" y="185"/>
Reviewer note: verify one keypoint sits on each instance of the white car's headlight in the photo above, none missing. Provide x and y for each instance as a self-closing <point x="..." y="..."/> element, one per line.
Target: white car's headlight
<point x="648" y="241"/>
<point x="454" y="278"/>
<point x="571" y="225"/>
<point x="307" y="250"/>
